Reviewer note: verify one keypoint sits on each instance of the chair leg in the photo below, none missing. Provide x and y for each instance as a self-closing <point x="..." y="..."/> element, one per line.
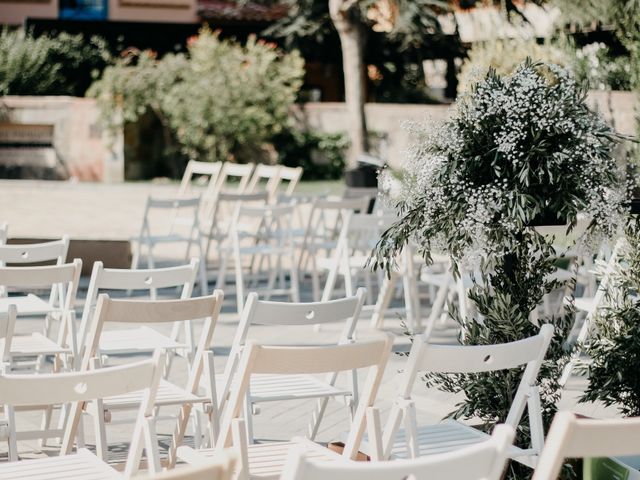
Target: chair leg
<point x="98" y="414"/>
<point x="239" y="432"/>
<point x="384" y="299"/>
<point x="248" y="416"/>
<point x="12" y="440"/>
<point x="47" y="414"/>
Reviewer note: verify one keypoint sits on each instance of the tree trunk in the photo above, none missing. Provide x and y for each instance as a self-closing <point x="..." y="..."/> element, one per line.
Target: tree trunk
<point x="351" y="33"/>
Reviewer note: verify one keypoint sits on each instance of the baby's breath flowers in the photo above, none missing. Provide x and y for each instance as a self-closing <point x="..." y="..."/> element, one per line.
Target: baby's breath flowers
<point x="515" y="149"/>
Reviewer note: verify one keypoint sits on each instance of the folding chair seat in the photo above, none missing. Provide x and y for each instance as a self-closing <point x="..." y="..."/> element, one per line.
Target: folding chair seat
<point x="484" y="461"/>
<point x="267" y="460"/>
<point x="169" y="394"/>
<point x="574" y="437"/>
<point x="151" y="238"/>
<point x="420" y="440"/>
<point x="77" y="388"/>
<point x="269" y="388"/>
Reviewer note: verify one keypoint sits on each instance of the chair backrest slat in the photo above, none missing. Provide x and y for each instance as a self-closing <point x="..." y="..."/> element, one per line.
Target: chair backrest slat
<point x="33" y="277"/>
<point x="58" y="388"/>
<point x="35" y="252"/>
<point x="313" y="313"/>
<point x="155" y="311"/>
<point x="573" y="437"/>
<point x="481" y="358"/>
<point x="483" y="461"/>
<point x="294" y="360"/>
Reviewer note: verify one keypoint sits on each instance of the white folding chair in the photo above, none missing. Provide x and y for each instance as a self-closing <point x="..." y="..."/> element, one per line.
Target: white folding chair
<point x="266" y="460"/>
<point x="358" y="237"/>
<point x="269" y="388"/>
<point x="573" y="437"/>
<point x="217" y="228"/>
<point x="265" y="178"/>
<point x="54" y="252"/>
<point x="151" y="239"/>
<point x="205" y="175"/>
<point x="415" y="441"/>
<point x="234" y="177"/>
<point x="483" y="461"/>
<point x="64" y="278"/>
<point x="219" y="467"/>
<point x="169" y="394"/>
<point x="263" y="235"/>
<point x="591" y="306"/>
<point x="292" y="176"/>
<point x="143" y="338"/>
<point x="29" y="391"/>
<point x="320" y="237"/>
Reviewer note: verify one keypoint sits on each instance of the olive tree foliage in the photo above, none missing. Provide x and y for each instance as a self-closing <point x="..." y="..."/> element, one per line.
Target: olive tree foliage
<point x="49" y="64"/>
<point x="217" y="99"/>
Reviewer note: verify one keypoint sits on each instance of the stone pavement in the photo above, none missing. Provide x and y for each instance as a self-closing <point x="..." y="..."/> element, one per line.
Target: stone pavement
<point x="51" y="209"/>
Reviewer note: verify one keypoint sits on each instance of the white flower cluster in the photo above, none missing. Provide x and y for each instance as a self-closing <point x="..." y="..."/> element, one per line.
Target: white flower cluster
<point x="512" y="149"/>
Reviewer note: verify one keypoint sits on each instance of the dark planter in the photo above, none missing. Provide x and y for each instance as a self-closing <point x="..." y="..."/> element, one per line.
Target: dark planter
<point x="547" y="218"/>
<point x="634" y="206"/>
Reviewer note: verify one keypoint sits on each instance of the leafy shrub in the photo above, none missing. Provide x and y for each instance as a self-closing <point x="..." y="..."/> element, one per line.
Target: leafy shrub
<point x="615" y="344"/>
<point x="505" y="55"/>
<point x="321" y="155"/>
<point x="61" y="64"/>
<point x="517" y="149"/>
<point x="596" y="67"/>
<point x="220" y="99"/>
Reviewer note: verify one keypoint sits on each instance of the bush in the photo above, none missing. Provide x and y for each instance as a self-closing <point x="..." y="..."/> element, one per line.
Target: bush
<point x="49" y="65"/>
<point x="321" y="155"/>
<point x="596" y="67"/>
<point x="219" y="100"/>
<point x="504" y="55"/>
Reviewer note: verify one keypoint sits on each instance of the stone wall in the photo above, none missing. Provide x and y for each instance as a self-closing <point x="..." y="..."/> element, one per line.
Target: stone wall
<point x="386" y="119"/>
<point x="79" y="141"/>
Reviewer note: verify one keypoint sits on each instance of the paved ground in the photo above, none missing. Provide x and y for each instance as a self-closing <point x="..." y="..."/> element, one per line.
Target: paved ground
<point x="43" y="209"/>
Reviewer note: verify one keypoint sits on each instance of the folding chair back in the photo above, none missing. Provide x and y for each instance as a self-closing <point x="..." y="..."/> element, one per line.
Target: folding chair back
<point x="260" y="359"/>
<point x="206" y="174"/>
<point x="235" y="177"/>
<point x="220" y="467"/>
<point x="573" y="437"/>
<point x="62" y="281"/>
<point x="269" y="175"/>
<point x="55" y="252"/>
<point x="79" y="387"/>
<point x="292" y="176"/>
<point x="484" y="461"/>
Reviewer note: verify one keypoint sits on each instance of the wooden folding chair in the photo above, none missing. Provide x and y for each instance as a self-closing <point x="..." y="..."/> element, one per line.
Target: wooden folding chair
<point x="78" y="387"/>
<point x="483" y="461"/>
<point x="150" y="237"/>
<point x="269" y="388"/>
<point x="415" y="441"/>
<point x="185" y="397"/>
<point x="573" y="437"/>
<point x="266" y="460"/>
